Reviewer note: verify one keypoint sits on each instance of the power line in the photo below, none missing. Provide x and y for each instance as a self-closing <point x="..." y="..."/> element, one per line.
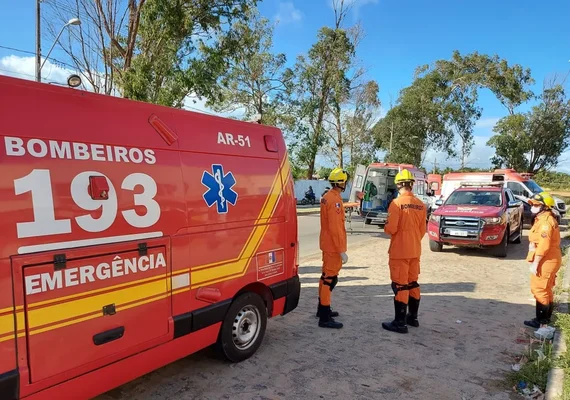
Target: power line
<point x="33" y="53"/>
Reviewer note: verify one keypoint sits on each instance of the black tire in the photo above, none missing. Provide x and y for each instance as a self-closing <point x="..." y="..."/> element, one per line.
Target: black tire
<point x="304" y="202"/>
<point x="435" y="246"/>
<point x="245" y="308"/>
<point x="367" y="221"/>
<point x="501" y="249"/>
<point x="519" y="239"/>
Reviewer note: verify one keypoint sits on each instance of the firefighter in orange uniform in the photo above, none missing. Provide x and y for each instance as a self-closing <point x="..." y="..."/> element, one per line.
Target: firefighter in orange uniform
<point x="544" y="256"/>
<point x="333" y="246"/>
<point x="407" y="226"/>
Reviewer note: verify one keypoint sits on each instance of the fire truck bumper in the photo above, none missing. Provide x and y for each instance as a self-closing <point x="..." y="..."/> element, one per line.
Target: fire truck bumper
<point x="291" y="290"/>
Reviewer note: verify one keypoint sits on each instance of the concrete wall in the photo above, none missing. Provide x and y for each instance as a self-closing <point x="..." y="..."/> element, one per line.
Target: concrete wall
<point x="302" y="185"/>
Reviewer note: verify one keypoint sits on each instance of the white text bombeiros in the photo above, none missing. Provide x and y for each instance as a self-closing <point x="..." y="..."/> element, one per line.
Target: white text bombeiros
<point x="18" y="147"/>
<point x="69" y="277"/>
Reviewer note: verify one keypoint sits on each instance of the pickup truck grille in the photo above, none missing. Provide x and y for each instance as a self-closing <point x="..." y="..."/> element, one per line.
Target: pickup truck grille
<point x="465" y="228"/>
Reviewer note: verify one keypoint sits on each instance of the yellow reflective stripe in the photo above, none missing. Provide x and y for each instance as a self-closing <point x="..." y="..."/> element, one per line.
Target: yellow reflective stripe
<point x="261" y="218"/>
<point x="230" y="269"/>
<point x="74" y="309"/>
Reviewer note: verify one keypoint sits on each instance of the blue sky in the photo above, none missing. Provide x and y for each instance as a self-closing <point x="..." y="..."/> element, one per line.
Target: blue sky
<point x="400" y="35"/>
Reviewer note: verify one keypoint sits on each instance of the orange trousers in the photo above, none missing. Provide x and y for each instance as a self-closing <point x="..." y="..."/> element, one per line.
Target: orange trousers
<point x="332" y="263"/>
<point x="543" y="282"/>
<point x="404" y="272"/>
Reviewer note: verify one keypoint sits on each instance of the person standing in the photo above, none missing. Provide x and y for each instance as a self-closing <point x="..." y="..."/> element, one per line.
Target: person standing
<point x="333" y="246"/>
<point x="544" y="257"/>
<point x="406" y="224"/>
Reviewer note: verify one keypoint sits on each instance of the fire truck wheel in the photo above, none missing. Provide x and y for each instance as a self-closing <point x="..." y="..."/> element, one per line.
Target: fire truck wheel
<point x="243" y="327"/>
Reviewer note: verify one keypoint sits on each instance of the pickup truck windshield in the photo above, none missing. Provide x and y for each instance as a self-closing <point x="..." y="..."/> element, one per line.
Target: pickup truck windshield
<point x="474" y="198"/>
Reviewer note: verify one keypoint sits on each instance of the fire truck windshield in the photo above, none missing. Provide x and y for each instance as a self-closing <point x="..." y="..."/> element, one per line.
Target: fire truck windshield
<point x="533" y="186"/>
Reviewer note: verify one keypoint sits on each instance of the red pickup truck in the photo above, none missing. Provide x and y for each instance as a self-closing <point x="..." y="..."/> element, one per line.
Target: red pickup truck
<point x="483" y="215"/>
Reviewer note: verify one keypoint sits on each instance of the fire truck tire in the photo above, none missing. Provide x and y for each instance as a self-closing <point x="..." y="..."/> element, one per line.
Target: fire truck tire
<point x="435" y="246"/>
<point x="501" y="249"/>
<point x="243" y="327"/>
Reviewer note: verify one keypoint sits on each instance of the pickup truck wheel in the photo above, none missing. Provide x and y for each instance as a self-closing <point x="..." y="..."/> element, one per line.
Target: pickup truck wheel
<point x="243" y="327"/>
<point x="435" y="246"/>
<point x="501" y="249"/>
<point x="520" y="234"/>
<point x="367" y="221"/>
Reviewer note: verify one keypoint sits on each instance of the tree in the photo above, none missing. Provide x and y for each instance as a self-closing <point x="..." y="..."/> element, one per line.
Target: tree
<point x="320" y="76"/>
<point x="510" y="142"/>
<point x="257" y="80"/>
<point x="183" y="50"/>
<point x="420" y="120"/>
<point x="465" y="114"/>
<point x="103" y="46"/>
<point x="535" y="140"/>
<point x="152" y="50"/>
<point x="507" y="82"/>
<point x="358" y="125"/>
<point x="318" y="73"/>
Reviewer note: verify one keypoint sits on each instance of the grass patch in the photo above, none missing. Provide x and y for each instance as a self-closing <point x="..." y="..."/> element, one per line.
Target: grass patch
<point x="536" y="363"/>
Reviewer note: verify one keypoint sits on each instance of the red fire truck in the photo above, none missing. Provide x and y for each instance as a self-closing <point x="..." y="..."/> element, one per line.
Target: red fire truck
<point x="133" y="235"/>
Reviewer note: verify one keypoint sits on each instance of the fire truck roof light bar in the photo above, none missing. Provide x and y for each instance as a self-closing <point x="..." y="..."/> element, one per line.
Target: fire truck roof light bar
<point x="481" y="184"/>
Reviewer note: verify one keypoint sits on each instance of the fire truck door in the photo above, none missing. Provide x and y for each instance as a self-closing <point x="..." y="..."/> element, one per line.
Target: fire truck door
<point x="85" y="308"/>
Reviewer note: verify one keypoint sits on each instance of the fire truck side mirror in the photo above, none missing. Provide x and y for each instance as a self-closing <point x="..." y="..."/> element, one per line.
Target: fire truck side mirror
<point x="98" y="188"/>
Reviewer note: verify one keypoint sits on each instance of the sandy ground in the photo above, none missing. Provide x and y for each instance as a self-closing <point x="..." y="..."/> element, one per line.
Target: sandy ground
<point x="471" y="313"/>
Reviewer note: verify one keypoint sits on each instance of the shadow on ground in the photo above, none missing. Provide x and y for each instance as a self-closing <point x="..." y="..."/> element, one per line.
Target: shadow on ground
<point x="463" y="349"/>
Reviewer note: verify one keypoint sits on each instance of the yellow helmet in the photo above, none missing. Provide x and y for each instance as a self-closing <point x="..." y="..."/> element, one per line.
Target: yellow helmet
<point x="404" y="176"/>
<point x="338" y="175"/>
<point x="544" y="199"/>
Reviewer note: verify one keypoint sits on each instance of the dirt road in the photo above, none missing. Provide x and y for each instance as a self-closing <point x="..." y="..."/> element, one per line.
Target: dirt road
<point x="471" y="312"/>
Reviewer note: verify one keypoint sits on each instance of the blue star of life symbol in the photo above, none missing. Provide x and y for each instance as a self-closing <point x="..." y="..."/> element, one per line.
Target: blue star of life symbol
<point x="220" y="190"/>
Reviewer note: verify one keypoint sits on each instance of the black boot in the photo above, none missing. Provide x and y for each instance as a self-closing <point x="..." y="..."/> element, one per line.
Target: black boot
<point x="550" y="311"/>
<point x="541" y="316"/>
<point x="325" y="319"/>
<point x="333" y="313"/>
<point x="412" y="317"/>
<point x="399" y="322"/>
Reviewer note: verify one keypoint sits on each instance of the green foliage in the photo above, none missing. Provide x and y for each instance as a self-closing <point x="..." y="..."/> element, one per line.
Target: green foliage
<point x="318" y="74"/>
<point x="324" y="172"/>
<point x="422" y="116"/>
<point x="553" y="180"/>
<point x="533" y="141"/>
<point x="442" y="103"/>
<point x="181" y="49"/>
<point x="256" y="79"/>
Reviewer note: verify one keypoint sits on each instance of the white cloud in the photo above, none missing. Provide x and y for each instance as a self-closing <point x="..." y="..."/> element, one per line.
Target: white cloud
<point x="25" y="68"/>
<point x="487" y="123"/>
<point x="288" y="13"/>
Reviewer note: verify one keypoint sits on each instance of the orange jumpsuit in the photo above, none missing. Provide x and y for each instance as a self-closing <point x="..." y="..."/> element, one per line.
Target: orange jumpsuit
<point x="407" y="226"/>
<point x="545" y="234"/>
<point x="332" y="242"/>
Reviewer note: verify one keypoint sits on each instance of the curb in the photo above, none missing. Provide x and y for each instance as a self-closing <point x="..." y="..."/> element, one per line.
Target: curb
<point x="555" y="379"/>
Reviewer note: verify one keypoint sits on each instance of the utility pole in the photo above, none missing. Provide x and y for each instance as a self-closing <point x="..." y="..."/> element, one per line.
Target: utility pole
<point x="38" y="43"/>
<point x="434" y="165"/>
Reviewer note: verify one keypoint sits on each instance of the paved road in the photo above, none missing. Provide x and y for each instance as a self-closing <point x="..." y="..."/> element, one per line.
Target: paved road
<point x="309" y="229"/>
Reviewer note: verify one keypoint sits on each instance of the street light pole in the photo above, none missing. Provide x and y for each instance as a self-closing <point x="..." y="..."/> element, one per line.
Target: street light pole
<point x="73" y="21"/>
<point x="38" y="43"/>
